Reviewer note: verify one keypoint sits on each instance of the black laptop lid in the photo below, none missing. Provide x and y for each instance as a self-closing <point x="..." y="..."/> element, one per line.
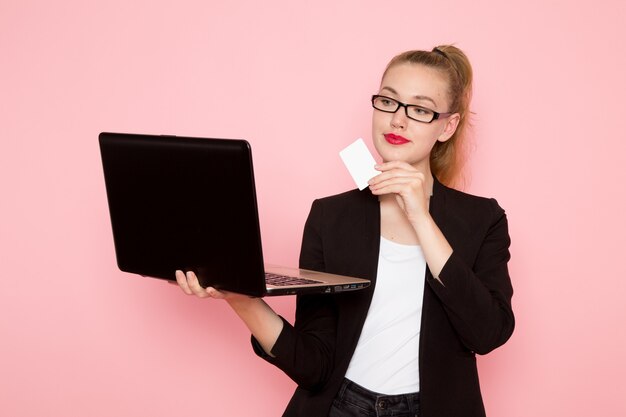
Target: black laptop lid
<point x="184" y="203"/>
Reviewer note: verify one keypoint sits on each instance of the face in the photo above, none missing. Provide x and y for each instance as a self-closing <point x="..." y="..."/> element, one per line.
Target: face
<point x="398" y="138"/>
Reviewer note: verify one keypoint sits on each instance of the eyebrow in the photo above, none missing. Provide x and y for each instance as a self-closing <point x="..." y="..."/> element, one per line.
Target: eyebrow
<point x="391" y="90"/>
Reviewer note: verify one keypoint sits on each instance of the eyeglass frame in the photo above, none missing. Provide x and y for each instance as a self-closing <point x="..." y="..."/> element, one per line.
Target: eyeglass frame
<point x="436" y="115"/>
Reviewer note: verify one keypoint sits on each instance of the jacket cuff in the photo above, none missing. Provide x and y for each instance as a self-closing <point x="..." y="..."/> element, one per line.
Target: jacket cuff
<point x="285" y="339"/>
<point x="450" y="276"/>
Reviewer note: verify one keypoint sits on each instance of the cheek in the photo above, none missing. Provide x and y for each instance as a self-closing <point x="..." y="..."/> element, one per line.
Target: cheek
<point x="426" y="132"/>
<point x="379" y="121"/>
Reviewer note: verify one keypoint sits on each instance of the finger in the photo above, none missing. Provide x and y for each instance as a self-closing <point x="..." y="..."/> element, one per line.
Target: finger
<point x="375" y="186"/>
<point x="395" y="173"/>
<point x="181" y="280"/>
<point x="194" y="285"/>
<point x="409" y="191"/>
<point x="212" y="292"/>
<point x="392" y="188"/>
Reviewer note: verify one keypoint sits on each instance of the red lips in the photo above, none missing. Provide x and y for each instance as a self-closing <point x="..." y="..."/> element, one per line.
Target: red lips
<point x="395" y="139"/>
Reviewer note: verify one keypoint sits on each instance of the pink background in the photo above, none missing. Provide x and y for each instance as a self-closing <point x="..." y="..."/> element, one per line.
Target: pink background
<point x="80" y="338"/>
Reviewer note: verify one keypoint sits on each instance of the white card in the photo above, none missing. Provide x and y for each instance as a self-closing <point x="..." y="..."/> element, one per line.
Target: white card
<point x="360" y="163"/>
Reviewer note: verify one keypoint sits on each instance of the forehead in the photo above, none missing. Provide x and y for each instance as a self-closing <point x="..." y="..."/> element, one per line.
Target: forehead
<point x="413" y="80"/>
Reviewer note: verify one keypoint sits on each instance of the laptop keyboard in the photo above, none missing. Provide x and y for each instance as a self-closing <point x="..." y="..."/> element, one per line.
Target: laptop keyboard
<point x="283" y="280"/>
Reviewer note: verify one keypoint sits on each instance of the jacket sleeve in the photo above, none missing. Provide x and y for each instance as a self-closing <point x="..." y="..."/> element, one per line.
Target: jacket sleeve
<point x="305" y="351"/>
<point x="477" y="298"/>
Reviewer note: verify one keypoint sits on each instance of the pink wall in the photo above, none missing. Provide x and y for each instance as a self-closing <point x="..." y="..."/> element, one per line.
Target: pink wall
<point x="80" y="338"/>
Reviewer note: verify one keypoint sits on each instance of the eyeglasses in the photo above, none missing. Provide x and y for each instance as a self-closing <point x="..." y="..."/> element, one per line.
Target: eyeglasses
<point x="413" y="112"/>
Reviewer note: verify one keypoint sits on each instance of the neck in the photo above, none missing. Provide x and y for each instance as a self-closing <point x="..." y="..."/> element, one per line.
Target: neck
<point x="428" y="177"/>
<point x="429" y="183"/>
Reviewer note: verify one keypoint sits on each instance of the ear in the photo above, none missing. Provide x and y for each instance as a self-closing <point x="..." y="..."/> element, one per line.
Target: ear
<point x="450" y="127"/>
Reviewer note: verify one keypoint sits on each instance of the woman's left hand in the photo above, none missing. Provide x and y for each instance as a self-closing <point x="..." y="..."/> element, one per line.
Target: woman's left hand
<point x="407" y="183"/>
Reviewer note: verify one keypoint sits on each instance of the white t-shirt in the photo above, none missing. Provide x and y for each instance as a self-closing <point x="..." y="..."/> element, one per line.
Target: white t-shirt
<point x="386" y="357"/>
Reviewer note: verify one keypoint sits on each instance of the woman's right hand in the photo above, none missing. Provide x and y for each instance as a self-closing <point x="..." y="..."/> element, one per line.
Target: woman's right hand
<point x="188" y="282"/>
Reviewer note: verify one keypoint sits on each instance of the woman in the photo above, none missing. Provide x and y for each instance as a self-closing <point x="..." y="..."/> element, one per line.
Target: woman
<point x="437" y="259"/>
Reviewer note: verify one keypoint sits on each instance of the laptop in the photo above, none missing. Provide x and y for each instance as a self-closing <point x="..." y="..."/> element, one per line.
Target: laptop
<point x="190" y="204"/>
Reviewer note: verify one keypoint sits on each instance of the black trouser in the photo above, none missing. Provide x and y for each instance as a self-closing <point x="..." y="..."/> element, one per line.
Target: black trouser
<point x="353" y="400"/>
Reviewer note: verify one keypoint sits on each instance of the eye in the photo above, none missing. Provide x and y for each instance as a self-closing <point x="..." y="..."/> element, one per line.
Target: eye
<point x="420" y="111"/>
<point x="385" y="102"/>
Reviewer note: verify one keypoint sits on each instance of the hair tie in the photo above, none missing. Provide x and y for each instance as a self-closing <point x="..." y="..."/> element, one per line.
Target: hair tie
<point x="440" y="52"/>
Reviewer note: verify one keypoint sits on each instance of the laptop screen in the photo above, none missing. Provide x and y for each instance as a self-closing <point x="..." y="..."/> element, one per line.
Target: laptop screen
<point x="184" y="203"/>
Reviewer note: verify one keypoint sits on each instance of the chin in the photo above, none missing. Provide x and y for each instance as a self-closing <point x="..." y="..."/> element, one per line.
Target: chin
<point x="389" y="153"/>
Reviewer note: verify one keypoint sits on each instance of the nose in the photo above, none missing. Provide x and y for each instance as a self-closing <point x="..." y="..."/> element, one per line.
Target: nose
<point x="399" y="119"/>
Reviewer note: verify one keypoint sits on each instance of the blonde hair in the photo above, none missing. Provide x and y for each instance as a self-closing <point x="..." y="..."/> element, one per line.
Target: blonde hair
<point x="447" y="158"/>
